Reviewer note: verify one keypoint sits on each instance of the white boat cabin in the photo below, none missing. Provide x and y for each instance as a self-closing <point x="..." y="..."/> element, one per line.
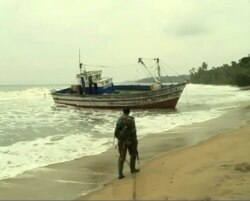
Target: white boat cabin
<point x="91" y="82"/>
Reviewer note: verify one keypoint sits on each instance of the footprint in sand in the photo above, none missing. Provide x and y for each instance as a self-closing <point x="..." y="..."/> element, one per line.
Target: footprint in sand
<point x="172" y="178"/>
<point x="171" y="182"/>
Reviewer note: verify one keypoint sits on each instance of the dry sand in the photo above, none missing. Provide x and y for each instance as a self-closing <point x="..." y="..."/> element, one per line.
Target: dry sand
<point x="215" y="169"/>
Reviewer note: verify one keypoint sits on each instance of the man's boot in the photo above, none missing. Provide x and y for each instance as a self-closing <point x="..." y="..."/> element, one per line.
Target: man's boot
<point x="132" y="166"/>
<point x="120" y="169"/>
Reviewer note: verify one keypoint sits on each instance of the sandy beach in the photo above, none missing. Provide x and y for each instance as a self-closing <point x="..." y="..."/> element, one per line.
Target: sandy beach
<point x="215" y="169"/>
<point x="207" y="160"/>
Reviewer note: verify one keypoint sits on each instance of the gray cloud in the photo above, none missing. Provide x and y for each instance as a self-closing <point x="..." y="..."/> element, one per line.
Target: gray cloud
<point x="188" y="29"/>
<point x="42" y="37"/>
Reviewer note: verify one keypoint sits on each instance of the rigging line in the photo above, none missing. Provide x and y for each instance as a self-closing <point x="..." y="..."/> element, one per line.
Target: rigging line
<point x="106" y="66"/>
<point x="136" y="72"/>
<point x="167" y="75"/>
<point x="174" y="71"/>
<point x="148" y="58"/>
<point x="147" y="72"/>
<point x="140" y="61"/>
<point x="187" y="98"/>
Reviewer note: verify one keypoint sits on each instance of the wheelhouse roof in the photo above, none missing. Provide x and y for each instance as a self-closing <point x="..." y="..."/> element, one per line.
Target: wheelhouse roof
<point x="89" y="73"/>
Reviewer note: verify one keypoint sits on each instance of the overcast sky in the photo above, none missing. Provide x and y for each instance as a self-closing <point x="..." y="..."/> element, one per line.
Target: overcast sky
<point x="40" y="39"/>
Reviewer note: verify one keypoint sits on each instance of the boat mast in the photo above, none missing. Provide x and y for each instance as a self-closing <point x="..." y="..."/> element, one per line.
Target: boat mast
<point x="157" y="80"/>
<point x="158" y="69"/>
<point x="80" y="64"/>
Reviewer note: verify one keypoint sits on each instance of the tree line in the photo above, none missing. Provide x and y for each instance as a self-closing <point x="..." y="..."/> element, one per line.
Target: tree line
<point x="236" y="73"/>
<point x="167" y="79"/>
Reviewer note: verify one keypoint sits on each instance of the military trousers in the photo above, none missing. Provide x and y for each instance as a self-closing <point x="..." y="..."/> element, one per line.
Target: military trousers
<point x="124" y="147"/>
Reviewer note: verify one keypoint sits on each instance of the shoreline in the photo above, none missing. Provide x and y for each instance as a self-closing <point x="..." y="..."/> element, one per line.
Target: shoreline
<point x="218" y="168"/>
<point x="72" y="179"/>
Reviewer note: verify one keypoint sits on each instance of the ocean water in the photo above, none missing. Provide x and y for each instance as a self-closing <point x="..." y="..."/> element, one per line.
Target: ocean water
<point x="34" y="132"/>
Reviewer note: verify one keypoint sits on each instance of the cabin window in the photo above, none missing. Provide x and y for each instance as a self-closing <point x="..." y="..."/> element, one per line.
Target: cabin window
<point x="96" y="88"/>
<point x="90" y="84"/>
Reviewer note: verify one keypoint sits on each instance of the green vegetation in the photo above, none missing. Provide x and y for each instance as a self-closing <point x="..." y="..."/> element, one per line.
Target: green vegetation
<point x="167" y="79"/>
<point x="233" y="74"/>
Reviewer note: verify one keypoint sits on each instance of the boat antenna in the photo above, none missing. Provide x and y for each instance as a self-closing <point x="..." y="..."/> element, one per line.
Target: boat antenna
<point x="80" y="64"/>
<point x="155" y="79"/>
<point x="158" y="69"/>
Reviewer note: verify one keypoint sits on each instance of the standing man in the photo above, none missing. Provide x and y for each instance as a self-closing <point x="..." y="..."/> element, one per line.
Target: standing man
<point x="125" y="132"/>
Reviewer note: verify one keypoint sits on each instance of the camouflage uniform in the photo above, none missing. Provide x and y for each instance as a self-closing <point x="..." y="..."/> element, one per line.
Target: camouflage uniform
<point x="130" y="143"/>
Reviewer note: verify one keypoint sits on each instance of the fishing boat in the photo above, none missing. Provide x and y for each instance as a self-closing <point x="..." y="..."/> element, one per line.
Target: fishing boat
<point x="94" y="91"/>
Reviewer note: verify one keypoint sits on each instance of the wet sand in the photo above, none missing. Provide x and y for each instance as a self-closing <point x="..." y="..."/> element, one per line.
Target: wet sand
<point x="167" y="163"/>
<point x="218" y="169"/>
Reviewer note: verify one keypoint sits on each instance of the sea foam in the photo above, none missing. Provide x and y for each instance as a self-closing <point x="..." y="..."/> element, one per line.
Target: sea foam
<point x="34" y="132"/>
